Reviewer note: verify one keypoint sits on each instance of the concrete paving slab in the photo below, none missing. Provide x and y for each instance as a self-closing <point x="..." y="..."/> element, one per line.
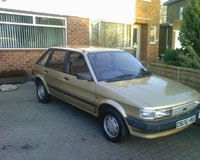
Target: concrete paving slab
<point x="30" y="130"/>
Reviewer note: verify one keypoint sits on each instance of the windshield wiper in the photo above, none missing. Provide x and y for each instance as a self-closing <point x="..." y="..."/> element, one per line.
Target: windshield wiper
<point x="144" y="74"/>
<point x="122" y="77"/>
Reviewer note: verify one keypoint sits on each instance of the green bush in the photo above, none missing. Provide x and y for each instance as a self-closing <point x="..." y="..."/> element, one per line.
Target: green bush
<point x="189" y="58"/>
<point x="172" y="57"/>
<point x="189" y="36"/>
<point x="12" y="73"/>
<point x="190" y="28"/>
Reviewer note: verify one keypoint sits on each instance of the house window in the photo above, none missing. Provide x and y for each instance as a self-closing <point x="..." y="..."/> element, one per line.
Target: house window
<point x="107" y="34"/>
<point x="181" y="14"/>
<point x="177" y="43"/>
<point x="31" y="31"/>
<point x="153" y="35"/>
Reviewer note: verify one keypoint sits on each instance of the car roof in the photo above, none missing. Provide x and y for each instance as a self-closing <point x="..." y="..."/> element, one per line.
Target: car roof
<point x="86" y="49"/>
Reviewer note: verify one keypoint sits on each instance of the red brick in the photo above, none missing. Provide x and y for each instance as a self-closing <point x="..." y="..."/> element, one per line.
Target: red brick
<point x="148" y="14"/>
<point x="12" y="60"/>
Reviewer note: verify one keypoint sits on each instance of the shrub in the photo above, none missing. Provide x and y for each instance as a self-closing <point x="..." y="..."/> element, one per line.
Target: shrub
<point x="12" y="73"/>
<point x="172" y="56"/>
<point x="190" y="28"/>
<point x="189" y="36"/>
<point x="189" y="58"/>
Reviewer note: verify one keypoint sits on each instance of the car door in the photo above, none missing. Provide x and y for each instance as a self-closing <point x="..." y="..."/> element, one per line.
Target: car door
<point x="54" y="71"/>
<point x="79" y="92"/>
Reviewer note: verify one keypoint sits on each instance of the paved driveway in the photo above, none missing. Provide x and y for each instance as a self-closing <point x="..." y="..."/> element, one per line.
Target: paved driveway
<point x="30" y="130"/>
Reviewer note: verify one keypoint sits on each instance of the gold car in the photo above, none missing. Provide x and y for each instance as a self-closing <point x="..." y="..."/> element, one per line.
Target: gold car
<point x="114" y="86"/>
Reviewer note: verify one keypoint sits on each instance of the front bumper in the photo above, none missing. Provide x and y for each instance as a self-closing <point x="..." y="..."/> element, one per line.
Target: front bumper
<point x="160" y="126"/>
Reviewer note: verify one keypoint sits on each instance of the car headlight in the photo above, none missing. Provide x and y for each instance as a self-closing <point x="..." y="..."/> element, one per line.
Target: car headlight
<point x="163" y="113"/>
<point x="147" y="114"/>
<point x="197" y="101"/>
<point x="154" y="114"/>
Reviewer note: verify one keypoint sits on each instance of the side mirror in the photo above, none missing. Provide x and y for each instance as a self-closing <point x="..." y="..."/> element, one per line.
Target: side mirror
<point x="85" y="76"/>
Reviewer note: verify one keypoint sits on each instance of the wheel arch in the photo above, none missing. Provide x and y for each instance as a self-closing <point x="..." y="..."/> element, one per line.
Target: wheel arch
<point x="112" y="104"/>
<point x="40" y="78"/>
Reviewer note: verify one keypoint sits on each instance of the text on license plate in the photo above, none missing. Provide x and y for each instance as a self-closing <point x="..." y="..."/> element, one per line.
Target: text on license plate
<point x="199" y="114"/>
<point x="185" y="122"/>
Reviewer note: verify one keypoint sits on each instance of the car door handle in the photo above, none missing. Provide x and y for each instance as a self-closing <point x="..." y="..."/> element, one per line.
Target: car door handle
<point x="66" y="79"/>
<point x="45" y="71"/>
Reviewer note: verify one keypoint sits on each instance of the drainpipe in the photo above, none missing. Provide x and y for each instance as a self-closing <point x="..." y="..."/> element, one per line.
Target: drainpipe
<point x="167" y="35"/>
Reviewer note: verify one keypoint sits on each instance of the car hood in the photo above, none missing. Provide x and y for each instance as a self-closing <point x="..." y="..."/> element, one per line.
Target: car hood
<point x="155" y="90"/>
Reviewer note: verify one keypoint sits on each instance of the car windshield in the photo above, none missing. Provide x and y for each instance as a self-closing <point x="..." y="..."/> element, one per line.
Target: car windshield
<point x="116" y="65"/>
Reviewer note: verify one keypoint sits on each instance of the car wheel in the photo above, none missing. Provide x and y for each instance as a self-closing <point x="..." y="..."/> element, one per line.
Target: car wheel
<point x="42" y="93"/>
<point x="113" y="125"/>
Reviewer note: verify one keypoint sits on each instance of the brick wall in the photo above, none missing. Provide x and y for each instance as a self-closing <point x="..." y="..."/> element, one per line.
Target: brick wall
<point x="144" y="42"/>
<point x="78" y="31"/>
<point x="173" y="16"/>
<point x="148" y="9"/>
<point x="19" y="60"/>
<point x="148" y="14"/>
<point x="173" y="10"/>
<point x="177" y="25"/>
<point x="189" y="77"/>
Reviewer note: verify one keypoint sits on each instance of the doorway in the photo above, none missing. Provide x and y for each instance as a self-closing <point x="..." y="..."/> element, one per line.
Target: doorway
<point x="136" y="40"/>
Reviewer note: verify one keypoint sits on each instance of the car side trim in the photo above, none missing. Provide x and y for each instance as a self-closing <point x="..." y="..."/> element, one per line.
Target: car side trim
<point x="73" y="96"/>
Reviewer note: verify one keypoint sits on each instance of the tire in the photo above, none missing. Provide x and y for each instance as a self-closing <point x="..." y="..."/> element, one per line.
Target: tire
<point x="113" y="125"/>
<point x="42" y="93"/>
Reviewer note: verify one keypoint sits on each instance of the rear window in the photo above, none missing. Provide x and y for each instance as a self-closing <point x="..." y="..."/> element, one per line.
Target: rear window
<point x="43" y="60"/>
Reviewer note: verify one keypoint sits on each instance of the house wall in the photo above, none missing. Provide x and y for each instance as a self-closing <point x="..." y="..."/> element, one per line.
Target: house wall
<point x="77" y="34"/>
<point x="173" y="16"/>
<point x="78" y="31"/>
<point x="147" y="15"/>
<point x="173" y="10"/>
<point x="19" y="60"/>
<point x="174" y="32"/>
<point x="177" y="25"/>
<point x="144" y="42"/>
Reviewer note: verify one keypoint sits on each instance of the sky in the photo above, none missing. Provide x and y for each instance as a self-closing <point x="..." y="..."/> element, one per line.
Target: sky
<point x="110" y="10"/>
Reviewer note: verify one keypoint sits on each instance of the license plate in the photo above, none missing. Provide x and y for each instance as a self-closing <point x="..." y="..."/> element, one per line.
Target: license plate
<point x="185" y="122"/>
<point x="199" y="114"/>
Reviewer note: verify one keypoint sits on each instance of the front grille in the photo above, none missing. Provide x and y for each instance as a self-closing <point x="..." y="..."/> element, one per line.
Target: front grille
<point x="183" y="108"/>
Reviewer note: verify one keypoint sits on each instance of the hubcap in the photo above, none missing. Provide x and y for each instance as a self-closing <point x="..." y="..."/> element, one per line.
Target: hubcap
<point x="41" y="91"/>
<point x="111" y="126"/>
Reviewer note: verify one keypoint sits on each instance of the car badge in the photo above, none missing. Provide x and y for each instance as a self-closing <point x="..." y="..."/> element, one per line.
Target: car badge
<point x="184" y="109"/>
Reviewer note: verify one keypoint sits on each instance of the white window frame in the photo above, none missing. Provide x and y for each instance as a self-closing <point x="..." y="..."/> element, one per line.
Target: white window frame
<point x="181" y="13"/>
<point x="34" y="16"/>
<point x="177" y="43"/>
<point x="125" y="35"/>
<point x="155" y="30"/>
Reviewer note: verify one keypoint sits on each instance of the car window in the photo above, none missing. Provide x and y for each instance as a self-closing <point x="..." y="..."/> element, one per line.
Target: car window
<point x="77" y="64"/>
<point x="116" y="66"/>
<point x="57" y="60"/>
<point x="42" y="61"/>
